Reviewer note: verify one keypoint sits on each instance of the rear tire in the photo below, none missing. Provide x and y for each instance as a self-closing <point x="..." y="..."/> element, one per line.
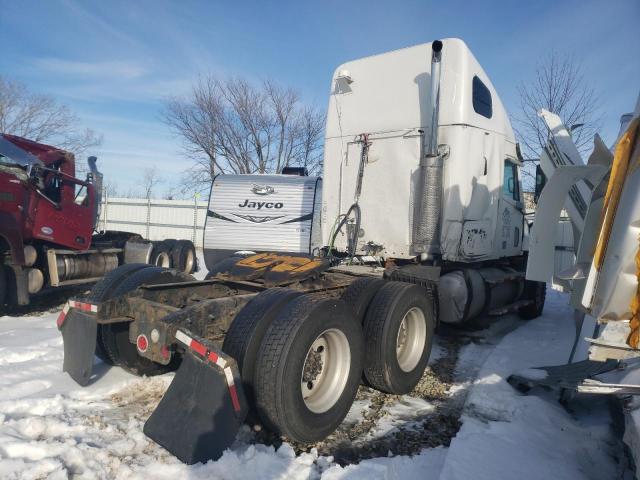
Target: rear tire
<point x="183" y="255"/>
<point x="359" y="294"/>
<point x="10" y="287"/>
<point x="3" y="289"/>
<point x="291" y="363"/>
<point x="398" y="330"/>
<point x="104" y="290"/>
<point x="242" y="341"/>
<point x="161" y="254"/>
<point x="115" y="336"/>
<point x="536" y="291"/>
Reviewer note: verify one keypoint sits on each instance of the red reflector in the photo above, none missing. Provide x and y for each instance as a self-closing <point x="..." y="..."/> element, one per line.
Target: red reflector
<point x="63" y="315"/>
<point x="60" y="319"/>
<point x="213" y="357"/>
<point x="198" y="347"/>
<point x="234" y="398"/>
<point x="164" y="351"/>
<point x="142" y="343"/>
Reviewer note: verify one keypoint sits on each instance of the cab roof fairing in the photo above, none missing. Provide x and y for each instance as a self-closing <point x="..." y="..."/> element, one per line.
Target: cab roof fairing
<point x="390" y="92"/>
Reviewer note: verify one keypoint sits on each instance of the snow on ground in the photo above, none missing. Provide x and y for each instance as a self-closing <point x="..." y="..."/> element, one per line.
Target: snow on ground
<point x="506" y="434"/>
<point x="51" y="428"/>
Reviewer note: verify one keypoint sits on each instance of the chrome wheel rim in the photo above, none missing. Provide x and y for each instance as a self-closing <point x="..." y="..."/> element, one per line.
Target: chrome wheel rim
<point x="163" y="260"/>
<point x="188" y="264"/>
<point x="326" y="370"/>
<point x="411" y="339"/>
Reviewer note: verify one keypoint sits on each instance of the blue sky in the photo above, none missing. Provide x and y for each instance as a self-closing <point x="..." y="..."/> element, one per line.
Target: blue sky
<point x="115" y="61"/>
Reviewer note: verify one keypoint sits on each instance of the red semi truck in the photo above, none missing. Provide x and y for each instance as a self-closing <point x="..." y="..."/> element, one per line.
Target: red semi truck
<point x="48" y="222"/>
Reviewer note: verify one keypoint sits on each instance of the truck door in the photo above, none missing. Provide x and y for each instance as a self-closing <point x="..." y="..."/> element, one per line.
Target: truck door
<point x="510" y="215"/>
<point x="64" y="212"/>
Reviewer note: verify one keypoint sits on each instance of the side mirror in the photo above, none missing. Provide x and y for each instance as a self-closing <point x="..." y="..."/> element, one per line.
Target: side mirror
<point x="511" y="185"/>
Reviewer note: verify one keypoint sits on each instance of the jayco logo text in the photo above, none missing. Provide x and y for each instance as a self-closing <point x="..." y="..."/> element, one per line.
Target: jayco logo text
<point x="260" y="205"/>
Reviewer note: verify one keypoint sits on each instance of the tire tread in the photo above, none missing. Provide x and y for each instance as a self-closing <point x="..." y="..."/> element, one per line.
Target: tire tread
<point x="378" y="373"/>
<point x="360" y="293"/>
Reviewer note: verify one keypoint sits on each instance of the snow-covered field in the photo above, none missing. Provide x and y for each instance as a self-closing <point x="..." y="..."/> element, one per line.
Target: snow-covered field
<point x="51" y="428"/>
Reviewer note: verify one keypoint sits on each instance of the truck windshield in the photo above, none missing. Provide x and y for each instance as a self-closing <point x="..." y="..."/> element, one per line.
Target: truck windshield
<point x="11" y="154"/>
<point x="4" y="160"/>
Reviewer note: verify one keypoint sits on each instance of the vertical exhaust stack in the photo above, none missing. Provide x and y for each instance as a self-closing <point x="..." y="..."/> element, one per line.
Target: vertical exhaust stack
<point x="426" y="230"/>
<point x="436" y="57"/>
<point x="95" y="177"/>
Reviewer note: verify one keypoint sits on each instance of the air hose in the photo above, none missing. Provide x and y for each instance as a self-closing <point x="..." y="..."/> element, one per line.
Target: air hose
<point x="352" y="242"/>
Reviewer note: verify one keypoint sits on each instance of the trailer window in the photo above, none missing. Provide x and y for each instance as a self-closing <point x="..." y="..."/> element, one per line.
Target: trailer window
<point x="481" y="98"/>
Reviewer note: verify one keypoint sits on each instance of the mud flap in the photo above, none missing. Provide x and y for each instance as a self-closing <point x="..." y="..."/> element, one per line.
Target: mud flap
<point x="204" y="407"/>
<point x="79" y="331"/>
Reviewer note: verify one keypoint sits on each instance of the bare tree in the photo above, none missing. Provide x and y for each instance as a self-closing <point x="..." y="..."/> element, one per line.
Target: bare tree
<point x="42" y="119"/>
<point x="174" y="192"/>
<point x="559" y="86"/>
<point x="150" y="179"/>
<point x="312" y="129"/>
<point x="130" y="193"/>
<point x="233" y="126"/>
<point x="110" y="188"/>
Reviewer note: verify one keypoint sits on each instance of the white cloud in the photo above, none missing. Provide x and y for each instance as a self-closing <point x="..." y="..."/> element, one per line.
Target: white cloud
<point x="148" y="89"/>
<point x="107" y="69"/>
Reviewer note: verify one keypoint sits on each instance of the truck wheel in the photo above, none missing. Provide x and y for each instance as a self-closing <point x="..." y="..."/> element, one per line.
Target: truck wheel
<point x="103" y="290"/>
<point x="247" y="330"/>
<point x="359" y="294"/>
<point x="161" y="254"/>
<point x="183" y="255"/>
<point x="115" y="336"/>
<point x="3" y="289"/>
<point x="309" y="367"/>
<point x="536" y="291"/>
<point x="398" y="331"/>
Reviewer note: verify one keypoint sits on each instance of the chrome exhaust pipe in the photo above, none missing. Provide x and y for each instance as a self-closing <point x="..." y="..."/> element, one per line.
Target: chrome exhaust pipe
<point x="426" y="232"/>
<point x="95" y="178"/>
<point x="436" y="57"/>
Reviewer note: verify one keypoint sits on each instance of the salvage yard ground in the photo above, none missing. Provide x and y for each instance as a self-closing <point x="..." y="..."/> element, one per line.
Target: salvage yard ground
<point x="462" y="421"/>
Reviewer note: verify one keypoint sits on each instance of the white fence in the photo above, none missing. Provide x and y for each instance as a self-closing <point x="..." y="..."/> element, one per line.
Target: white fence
<point x="155" y="219"/>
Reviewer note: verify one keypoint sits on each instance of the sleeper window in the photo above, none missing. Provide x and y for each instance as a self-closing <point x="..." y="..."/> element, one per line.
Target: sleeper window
<point x="481" y="98"/>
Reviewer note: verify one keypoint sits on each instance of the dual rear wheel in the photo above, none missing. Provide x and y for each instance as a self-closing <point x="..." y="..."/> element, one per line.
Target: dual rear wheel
<point x="177" y="254"/>
<point x="302" y="357"/>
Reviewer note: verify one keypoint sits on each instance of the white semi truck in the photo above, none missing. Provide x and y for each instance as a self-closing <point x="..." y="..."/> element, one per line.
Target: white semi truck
<point x="421" y="175"/>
